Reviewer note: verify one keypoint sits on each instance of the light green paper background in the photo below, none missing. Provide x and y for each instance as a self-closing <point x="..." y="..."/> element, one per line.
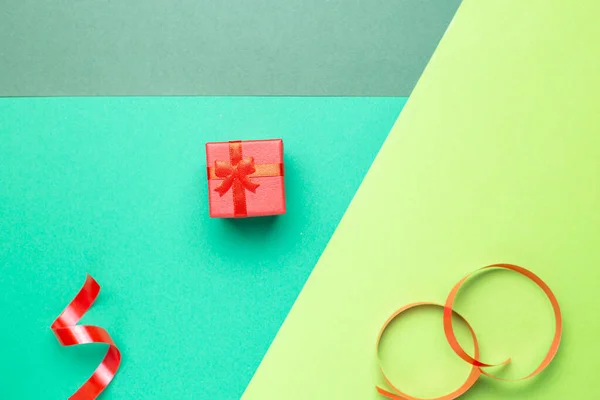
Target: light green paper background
<point x="496" y="157"/>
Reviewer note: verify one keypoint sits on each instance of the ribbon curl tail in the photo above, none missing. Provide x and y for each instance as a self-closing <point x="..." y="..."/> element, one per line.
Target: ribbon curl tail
<point x="68" y="333"/>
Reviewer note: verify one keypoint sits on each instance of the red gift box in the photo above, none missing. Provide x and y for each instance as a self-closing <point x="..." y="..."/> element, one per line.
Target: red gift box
<point x="245" y="178"/>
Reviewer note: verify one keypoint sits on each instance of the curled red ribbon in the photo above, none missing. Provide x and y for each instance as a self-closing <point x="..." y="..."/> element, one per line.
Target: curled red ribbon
<point x="477" y="370"/>
<point x="236" y="176"/>
<point x="69" y="333"/>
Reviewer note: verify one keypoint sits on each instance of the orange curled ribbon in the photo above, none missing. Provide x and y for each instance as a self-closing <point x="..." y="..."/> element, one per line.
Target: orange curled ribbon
<point x="477" y="365"/>
<point x="69" y="333"/>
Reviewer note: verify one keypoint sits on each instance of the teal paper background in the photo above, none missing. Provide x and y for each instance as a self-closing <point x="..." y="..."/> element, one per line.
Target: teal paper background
<point x="116" y="187"/>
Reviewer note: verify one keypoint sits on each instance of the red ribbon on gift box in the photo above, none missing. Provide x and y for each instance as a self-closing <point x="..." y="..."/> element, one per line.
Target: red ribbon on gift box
<point x="236" y="174"/>
<point x="69" y="333"/>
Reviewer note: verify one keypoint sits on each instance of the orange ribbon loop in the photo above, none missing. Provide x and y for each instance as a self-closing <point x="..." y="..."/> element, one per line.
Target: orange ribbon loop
<point x="477" y="365"/>
<point x="451" y="337"/>
<point x="396" y="393"/>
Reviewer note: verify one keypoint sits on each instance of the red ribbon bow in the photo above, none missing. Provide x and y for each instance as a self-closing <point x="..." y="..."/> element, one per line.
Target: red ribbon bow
<point x="237" y="171"/>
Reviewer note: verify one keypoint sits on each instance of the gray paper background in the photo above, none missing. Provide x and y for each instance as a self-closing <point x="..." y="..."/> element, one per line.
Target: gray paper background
<point x="217" y="47"/>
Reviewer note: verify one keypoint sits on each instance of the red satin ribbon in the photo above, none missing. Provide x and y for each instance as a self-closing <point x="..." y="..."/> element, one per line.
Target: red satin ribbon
<point x="236" y="176"/>
<point x="477" y="370"/>
<point x="69" y="333"/>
